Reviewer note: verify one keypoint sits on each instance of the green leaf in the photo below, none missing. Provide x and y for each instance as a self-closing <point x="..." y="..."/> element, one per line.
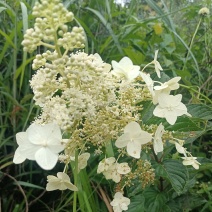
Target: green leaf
<point x="108" y="27"/>
<point x="155" y="200"/>
<point x="29" y="185"/>
<point x="136" y="203"/>
<point x="183" y="124"/>
<point x="176" y="173"/>
<point x="7" y="39"/>
<point x="2" y="9"/>
<point x="200" y="111"/>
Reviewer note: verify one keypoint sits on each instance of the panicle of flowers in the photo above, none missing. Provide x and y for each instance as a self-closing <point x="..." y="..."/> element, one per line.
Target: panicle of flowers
<point x="85" y="105"/>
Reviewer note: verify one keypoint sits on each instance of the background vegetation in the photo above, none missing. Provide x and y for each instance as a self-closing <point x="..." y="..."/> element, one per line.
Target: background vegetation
<point x="137" y="30"/>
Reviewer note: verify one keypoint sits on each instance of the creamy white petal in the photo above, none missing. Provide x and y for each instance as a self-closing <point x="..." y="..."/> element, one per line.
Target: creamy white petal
<point x="171" y="117"/>
<point x="63" y="176"/>
<point x="123" y="168"/>
<point x="180" y="148"/>
<point x="134" y="149"/>
<point x="144" y="137"/>
<point x="71" y="186"/>
<point x="159" y="111"/>
<point x="126" y="62"/>
<point x="45" y="158"/>
<point x="44" y="134"/>
<point x="133" y="128"/>
<point x="158" y="146"/>
<point x="18" y="157"/>
<point x="122" y="140"/>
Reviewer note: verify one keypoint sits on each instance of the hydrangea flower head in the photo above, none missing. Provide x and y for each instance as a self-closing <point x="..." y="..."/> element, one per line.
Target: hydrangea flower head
<point x="41" y="143"/>
<point x="125" y="69"/>
<point x="133" y="138"/>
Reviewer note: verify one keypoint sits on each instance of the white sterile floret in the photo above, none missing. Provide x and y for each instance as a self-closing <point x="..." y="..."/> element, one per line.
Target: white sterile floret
<point x="170" y="85"/>
<point x="125" y="69"/>
<point x="41" y="143"/>
<point x="105" y="164"/>
<point x="112" y="174"/>
<point x="123" y="168"/>
<point x="61" y="182"/>
<point x="157" y="143"/>
<point x="191" y="161"/>
<point x="166" y="87"/>
<point x="113" y="170"/>
<point x="158" y="67"/>
<point x="133" y="138"/>
<point x="170" y="107"/>
<point x="149" y="82"/>
<point x="120" y="203"/>
<point x="82" y="160"/>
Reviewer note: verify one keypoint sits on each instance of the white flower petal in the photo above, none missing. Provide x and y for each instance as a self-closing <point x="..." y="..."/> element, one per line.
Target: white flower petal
<point x="180" y="148"/>
<point x="133" y="128"/>
<point x="44" y="134"/>
<point x="122" y="140"/>
<point x="63" y="176"/>
<point x="18" y="157"/>
<point x="71" y="186"/>
<point x="123" y="168"/>
<point x="45" y="158"/>
<point x="171" y="117"/>
<point x="134" y="149"/>
<point x="158" y="146"/>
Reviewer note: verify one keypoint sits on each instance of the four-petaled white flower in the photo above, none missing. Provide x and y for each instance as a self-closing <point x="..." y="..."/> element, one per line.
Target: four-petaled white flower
<point x="125" y="69"/>
<point x="158" y="143"/>
<point x="149" y="82"/>
<point x="61" y="182"/>
<point x="120" y="203"/>
<point x="158" y="67"/>
<point x="82" y="160"/>
<point x="133" y="138"/>
<point x="191" y="161"/>
<point x="170" y="107"/>
<point x="41" y="143"/>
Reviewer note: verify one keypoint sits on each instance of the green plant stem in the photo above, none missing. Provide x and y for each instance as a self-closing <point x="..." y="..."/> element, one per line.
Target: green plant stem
<point x="14" y="72"/>
<point x="189" y="88"/>
<point x="191" y="43"/>
<point x="75" y="181"/>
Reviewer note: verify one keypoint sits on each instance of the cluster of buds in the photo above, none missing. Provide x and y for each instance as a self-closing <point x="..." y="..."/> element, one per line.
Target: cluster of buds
<point x="73" y="39"/>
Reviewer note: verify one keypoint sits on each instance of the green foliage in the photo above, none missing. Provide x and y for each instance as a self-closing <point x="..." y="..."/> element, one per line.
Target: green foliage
<point x="135" y="31"/>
